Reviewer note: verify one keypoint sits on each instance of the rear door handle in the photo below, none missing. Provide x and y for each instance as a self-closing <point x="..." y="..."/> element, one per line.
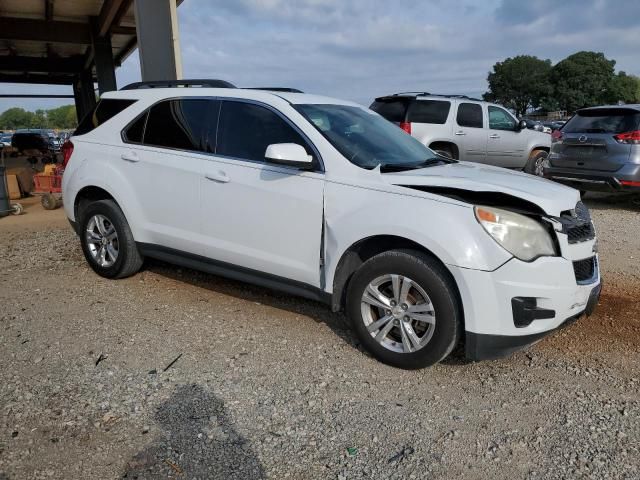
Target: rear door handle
<point x="460" y="132"/>
<point x="495" y="135"/>
<point x="130" y="157"/>
<point x="219" y="177"/>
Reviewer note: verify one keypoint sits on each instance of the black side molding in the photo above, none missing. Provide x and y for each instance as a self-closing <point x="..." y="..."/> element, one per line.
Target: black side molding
<point x="228" y="270"/>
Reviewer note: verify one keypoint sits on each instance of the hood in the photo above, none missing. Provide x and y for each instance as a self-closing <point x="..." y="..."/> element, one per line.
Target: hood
<point x="549" y="196"/>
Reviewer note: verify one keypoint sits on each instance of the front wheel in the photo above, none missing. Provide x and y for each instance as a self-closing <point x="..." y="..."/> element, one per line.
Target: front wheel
<point x="107" y="241"/>
<point x="404" y="307"/>
<point x="535" y="164"/>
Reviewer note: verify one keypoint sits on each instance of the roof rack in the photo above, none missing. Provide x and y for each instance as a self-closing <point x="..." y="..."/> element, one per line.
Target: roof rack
<point x="431" y="95"/>
<point x="204" y="83"/>
<point x="275" y="89"/>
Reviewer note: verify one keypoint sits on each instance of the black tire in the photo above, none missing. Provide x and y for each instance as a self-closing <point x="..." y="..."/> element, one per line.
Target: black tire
<point x="444" y="151"/>
<point x="534" y="164"/>
<point x="433" y="278"/>
<point x="128" y="260"/>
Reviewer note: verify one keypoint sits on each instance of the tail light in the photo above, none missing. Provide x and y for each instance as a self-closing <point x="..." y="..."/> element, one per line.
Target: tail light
<point x="67" y="150"/>
<point x="632" y="138"/>
<point x="406" y="126"/>
<point x="629" y="183"/>
<point x="556" y="136"/>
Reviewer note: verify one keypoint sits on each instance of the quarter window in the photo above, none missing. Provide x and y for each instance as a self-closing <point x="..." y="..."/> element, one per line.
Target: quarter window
<point x="246" y="130"/>
<point x="179" y="124"/>
<point x="429" y="111"/>
<point x="134" y="132"/>
<point x="469" y="115"/>
<point x="499" y="119"/>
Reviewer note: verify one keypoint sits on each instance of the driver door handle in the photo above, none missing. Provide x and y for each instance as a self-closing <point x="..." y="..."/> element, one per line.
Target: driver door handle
<point x="219" y="177"/>
<point x="494" y="135"/>
<point x="460" y="132"/>
<point x="130" y="157"/>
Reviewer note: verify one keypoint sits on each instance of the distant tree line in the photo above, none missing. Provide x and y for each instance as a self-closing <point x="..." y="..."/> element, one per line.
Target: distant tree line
<point x="584" y="79"/>
<point x="58" y="118"/>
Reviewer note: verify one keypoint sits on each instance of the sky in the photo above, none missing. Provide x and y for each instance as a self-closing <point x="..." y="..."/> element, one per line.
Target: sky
<point x="360" y="49"/>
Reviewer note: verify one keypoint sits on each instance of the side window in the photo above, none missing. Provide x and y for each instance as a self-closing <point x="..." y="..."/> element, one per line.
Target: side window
<point x="469" y="115"/>
<point x="429" y="111"/>
<point x="134" y="132"/>
<point x="245" y="130"/>
<point x="179" y="124"/>
<point x="499" y="119"/>
<point x="106" y="109"/>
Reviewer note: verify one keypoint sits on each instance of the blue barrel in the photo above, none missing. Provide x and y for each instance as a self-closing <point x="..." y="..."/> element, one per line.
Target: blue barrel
<point x="4" y="195"/>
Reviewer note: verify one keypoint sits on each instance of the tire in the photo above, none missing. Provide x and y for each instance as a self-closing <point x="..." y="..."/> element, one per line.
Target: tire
<point x="438" y="339"/>
<point x="103" y="218"/>
<point x="445" y="152"/>
<point x="534" y="164"/>
<point x="49" y="202"/>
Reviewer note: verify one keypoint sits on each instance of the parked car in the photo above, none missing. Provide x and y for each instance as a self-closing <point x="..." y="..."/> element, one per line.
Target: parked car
<point x="464" y="128"/>
<point x="533" y="124"/>
<point x="325" y="199"/>
<point x="5" y="140"/>
<point x="598" y="150"/>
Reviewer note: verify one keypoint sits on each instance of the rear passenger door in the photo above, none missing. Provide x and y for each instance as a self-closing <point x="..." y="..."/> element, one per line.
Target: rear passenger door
<point x="506" y="146"/>
<point x="258" y="215"/>
<point x="163" y="156"/>
<point x="469" y="132"/>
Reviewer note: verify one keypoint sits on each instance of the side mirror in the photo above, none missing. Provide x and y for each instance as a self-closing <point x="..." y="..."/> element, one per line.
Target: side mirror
<point x="289" y="154"/>
<point x="522" y="124"/>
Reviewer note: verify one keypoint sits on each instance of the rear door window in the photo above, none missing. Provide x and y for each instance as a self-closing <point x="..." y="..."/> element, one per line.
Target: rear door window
<point x="394" y="110"/>
<point x="614" y="120"/>
<point x="429" y="111"/>
<point x="106" y="109"/>
<point x="245" y="130"/>
<point x="469" y="115"/>
<point x="179" y="124"/>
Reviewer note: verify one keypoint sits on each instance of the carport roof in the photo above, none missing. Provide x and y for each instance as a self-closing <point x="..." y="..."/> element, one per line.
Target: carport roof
<point x="49" y="41"/>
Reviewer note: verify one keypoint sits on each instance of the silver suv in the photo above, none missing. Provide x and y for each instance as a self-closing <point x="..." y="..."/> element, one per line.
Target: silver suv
<point x="468" y="129"/>
<point x="598" y="150"/>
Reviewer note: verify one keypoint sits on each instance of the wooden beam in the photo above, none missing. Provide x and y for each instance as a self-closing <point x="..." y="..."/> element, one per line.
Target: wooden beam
<point x="120" y="30"/>
<point x="43" y="31"/>
<point x="72" y="64"/>
<point x="48" y="10"/>
<point x="111" y="15"/>
<point x="35" y="95"/>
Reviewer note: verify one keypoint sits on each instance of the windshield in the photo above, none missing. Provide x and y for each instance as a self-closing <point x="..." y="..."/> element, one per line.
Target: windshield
<point x="368" y="140"/>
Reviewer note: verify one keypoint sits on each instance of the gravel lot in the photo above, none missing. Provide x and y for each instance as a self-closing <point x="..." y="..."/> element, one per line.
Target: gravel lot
<point x="177" y="374"/>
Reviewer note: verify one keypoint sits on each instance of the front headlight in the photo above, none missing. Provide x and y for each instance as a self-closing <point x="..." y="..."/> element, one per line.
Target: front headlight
<point x="520" y="235"/>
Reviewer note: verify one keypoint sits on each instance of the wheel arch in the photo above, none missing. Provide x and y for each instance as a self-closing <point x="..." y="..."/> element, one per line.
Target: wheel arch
<point x="366" y="248"/>
<point x="437" y="144"/>
<point x="88" y="194"/>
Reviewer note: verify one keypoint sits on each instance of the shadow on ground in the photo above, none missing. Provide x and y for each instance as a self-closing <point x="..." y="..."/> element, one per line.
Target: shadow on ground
<point x="197" y="441"/>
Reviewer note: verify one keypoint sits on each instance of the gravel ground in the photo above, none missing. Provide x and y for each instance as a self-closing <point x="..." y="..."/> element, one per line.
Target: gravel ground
<point x="177" y="374"/>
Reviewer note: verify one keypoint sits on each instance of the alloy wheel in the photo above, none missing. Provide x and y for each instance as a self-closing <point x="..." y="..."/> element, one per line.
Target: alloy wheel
<point x="398" y="313"/>
<point x="102" y="240"/>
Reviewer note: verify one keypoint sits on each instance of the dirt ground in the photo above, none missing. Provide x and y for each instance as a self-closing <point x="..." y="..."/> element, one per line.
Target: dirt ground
<point x="177" y="374"/>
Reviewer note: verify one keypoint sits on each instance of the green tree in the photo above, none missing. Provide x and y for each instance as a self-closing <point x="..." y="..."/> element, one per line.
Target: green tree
<point x="583" y="79"/>
<point x="62" y="117"/>
<point x="624" y="88"/>
<point x="520" y="83"/>
<point x="16" y="118"/>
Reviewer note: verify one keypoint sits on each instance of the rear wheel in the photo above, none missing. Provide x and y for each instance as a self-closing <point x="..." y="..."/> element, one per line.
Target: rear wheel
<point x="107" y="241"/>
<point x="535" y="164"/>
<point x="404" y="307"/>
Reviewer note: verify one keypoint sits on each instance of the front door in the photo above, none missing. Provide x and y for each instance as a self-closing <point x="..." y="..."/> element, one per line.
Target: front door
<point x="505" y="143"/>
<point x="257" y="215"/>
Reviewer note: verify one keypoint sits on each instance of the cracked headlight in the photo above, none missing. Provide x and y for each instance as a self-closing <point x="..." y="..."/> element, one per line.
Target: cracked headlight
<point x="520" y="235"/>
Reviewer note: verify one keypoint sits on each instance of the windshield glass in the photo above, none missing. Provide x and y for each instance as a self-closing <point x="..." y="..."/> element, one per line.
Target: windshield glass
<point x="368" y="140"/>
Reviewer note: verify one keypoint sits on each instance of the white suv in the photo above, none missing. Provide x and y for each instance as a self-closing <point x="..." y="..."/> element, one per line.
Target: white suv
<point x="326" y="199"/>
<point x="467" y="129"/>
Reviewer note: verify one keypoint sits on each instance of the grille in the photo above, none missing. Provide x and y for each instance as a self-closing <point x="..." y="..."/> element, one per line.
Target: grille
<point x="585" y="269"/>
<point x="578" y="227"/>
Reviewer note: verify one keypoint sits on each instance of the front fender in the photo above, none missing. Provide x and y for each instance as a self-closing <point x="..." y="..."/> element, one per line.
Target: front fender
<point x="449" y="231"/>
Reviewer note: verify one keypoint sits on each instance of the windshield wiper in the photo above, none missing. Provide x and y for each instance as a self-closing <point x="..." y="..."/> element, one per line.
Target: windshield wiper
<point x="401" y="167"/>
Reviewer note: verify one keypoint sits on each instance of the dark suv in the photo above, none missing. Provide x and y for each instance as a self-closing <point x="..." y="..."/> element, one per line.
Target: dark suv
<point x="598" y="150"/>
